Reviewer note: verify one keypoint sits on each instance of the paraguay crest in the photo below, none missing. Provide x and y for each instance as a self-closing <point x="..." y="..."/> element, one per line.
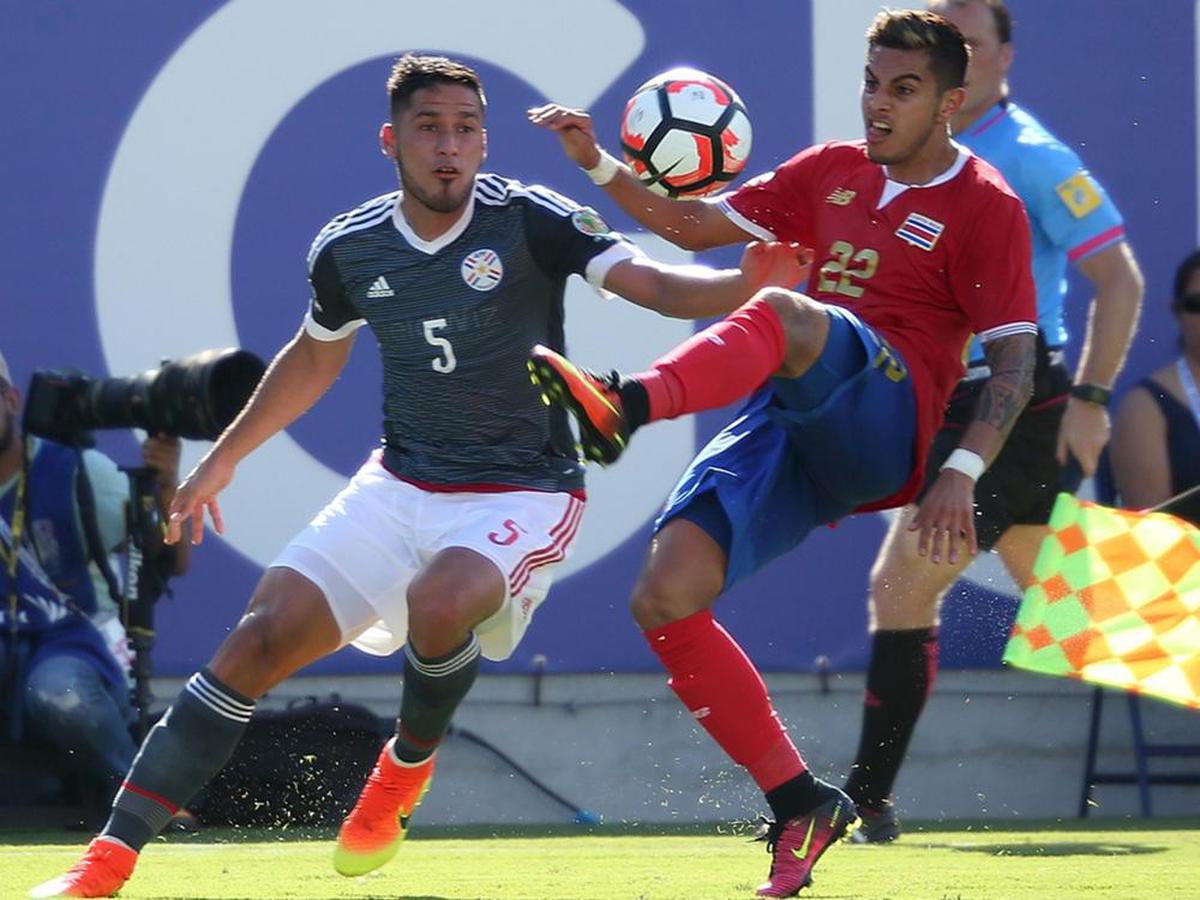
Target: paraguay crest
<point x="482" y="269"/>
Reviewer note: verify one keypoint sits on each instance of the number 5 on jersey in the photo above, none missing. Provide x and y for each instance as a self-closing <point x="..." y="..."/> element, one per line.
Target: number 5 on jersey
<point x="446" y="362"/>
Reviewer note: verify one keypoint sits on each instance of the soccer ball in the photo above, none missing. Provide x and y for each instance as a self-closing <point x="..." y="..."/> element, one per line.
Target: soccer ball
<point x="685" y="133"/>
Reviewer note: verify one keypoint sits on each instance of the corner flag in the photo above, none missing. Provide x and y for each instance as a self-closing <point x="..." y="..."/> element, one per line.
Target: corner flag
<point x="1115" y="601"/>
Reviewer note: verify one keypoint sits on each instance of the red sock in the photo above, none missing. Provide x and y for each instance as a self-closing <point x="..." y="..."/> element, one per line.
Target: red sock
<point x="720" y="687"/>
<point x="718" y="365"/>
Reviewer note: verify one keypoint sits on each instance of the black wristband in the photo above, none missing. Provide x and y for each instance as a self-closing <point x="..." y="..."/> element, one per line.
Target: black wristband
<point x="1092" y="393"/>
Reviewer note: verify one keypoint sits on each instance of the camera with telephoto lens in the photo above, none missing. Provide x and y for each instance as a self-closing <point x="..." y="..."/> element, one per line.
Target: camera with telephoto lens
<point x="193" y="398"/>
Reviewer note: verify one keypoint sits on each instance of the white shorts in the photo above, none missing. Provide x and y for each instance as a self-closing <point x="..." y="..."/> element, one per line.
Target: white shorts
<point x="368" y="544"/>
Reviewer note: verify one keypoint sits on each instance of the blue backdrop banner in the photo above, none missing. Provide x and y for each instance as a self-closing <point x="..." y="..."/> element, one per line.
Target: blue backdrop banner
<point x="166" y="165"/>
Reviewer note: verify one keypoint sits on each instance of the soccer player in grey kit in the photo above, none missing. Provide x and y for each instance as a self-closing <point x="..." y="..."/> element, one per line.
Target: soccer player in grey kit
<point x="446" y="539"/>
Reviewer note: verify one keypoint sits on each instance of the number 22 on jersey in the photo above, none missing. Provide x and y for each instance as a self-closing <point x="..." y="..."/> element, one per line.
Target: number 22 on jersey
<point x="838" y="275"/>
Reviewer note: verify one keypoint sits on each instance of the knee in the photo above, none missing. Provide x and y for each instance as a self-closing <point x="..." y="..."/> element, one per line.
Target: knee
<point x="805" y="324"/>
<point x="897" y="602"/>
<point x="661" y="597"/>
<point x="438" y="621"/>
<point x="55" y="691"/>
<point x="254" y="653"/>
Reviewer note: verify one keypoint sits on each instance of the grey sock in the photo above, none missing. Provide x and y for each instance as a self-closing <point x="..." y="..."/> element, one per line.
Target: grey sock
<point x="188" y="746"/>
<point x="433" y="688"/>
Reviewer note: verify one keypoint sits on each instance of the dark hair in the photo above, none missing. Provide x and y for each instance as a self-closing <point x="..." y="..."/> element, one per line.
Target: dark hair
<point x="908" y="29"/>
<point x="412" y="72"/>
<point x="1000" y="15"/>
<point x="1187" y="269"/>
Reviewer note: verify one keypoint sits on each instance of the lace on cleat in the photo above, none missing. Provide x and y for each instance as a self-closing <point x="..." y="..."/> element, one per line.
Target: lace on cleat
<point x="592" y="399"/>
<point x="797" y="844"/>
<point x="105" y="867"/>
<point x="372" y="832"/>
<point x="879" y="825"/>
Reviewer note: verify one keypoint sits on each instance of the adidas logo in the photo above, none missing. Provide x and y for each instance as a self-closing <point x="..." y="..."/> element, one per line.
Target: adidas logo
<point x="380" y="288"/>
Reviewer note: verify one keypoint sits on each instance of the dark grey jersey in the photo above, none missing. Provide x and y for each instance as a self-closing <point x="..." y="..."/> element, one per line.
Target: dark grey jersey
<point x="455" y="319"/>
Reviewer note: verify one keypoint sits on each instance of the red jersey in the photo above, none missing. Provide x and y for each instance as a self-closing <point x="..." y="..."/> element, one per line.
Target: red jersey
<point x="924" y="265"/>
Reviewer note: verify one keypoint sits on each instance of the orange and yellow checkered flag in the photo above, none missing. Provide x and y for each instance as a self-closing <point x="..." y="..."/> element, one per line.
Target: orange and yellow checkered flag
<point x="1115" y="601"/>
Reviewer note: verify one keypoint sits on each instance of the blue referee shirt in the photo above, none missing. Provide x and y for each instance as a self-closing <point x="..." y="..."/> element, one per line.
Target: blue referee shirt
<point x="1070" y="214"/>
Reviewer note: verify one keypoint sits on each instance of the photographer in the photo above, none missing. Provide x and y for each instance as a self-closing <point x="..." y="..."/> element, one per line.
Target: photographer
<point x="64" y="657"/>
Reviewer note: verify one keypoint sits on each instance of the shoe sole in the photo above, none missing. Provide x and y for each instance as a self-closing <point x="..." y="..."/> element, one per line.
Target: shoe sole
<point x="347" y="862"/>
<point x="558" y="388"/>
<point x="862" y="835"/>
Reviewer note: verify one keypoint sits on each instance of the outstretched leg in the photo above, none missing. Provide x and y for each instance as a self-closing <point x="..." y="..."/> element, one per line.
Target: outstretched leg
<point x="777" y="332"/>
<point x="287" y="626"/>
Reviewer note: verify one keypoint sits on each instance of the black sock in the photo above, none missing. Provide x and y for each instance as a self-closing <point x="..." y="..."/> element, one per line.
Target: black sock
<point x="796" y="796"/>
<point x="433" y="688"/>
<point x="901" y="675"/>
<point x="635" y="403"/>
<point x="187" y="747"/>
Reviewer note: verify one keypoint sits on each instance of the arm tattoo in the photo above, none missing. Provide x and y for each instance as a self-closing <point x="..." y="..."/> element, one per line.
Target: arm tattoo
<point x="1010" y="385"/>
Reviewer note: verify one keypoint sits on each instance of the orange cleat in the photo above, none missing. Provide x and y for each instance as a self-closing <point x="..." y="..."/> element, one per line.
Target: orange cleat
<point x="104" y="869"/>
<point x="592" y="399"/>
<point x="371" y="834"/>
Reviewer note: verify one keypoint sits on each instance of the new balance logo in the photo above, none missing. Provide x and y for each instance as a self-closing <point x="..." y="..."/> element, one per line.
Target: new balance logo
<point x="841" y="197"/>
<point x="380" y="288"/>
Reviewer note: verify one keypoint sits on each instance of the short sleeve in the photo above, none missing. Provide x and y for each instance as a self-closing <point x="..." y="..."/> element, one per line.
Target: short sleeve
<point x="110" y="489"/>
<point x="568" y="239"/>
<point x="331" y="315"/>
<point x="1069" y="205"/>
<point x="992" y="275"/>
<point x="775" y="205"/>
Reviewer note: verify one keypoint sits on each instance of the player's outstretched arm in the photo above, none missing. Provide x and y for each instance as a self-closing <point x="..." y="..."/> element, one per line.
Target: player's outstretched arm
<point x="690" y="224"/>
<point x="300" y="373"/>
<point x="946" y="517"/>
<point x="698" y="292"/>
<point x="1112" y="321"/>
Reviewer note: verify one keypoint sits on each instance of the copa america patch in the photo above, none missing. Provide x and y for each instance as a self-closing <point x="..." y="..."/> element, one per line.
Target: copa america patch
<point x="482" y="269"/>
<point x="588" y="221"/>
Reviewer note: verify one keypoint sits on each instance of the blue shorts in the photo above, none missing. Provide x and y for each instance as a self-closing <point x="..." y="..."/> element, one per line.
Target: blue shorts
<point x="804" y="451"/>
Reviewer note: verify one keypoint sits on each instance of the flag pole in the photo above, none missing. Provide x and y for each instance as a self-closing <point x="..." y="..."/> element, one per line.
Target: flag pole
<point x="1178" y="498"/>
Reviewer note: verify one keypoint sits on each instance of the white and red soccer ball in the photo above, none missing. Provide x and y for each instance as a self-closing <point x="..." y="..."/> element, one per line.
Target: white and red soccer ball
<point x="685" y="133"/>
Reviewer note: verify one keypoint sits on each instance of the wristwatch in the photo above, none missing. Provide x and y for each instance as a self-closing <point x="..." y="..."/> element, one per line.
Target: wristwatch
<point x="1092" y="393"/>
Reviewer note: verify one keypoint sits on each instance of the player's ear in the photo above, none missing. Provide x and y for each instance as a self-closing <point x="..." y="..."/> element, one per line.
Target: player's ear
<point x="1006" y="56"/>
<point x="484" y="134"/>
<point x="952" y="101"/>
<point x="387" y="140"/>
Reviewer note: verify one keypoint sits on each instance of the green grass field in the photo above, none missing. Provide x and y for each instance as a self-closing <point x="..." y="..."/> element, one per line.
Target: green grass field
<point x="1039" y="861"/>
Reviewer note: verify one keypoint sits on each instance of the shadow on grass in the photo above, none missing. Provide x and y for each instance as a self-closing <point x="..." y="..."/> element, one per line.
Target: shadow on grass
<point x="915" y="832"/>
<point x="1064" y="848"/>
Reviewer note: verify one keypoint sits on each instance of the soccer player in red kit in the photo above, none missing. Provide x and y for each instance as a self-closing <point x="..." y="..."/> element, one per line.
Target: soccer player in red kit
<point x="918" y="244"/>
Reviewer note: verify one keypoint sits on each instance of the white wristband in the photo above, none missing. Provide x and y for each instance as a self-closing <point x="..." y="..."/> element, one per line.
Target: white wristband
<point x="968" y="462"/>
<point x="604" y="171"/>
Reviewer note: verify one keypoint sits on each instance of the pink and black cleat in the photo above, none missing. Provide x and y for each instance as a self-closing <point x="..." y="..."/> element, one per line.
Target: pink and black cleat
<point x="797" y="844"/>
